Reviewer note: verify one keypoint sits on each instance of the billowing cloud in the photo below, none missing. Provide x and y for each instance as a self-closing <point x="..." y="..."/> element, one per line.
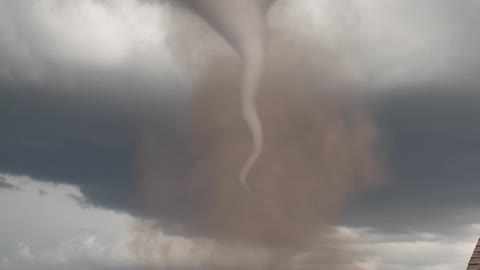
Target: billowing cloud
<point x="421" y="250"/>
<point x="71" y="236"/>
<point x="102" y="240"/>
<point x="80" y="82"/>
<point x="6" y="185"/>
<point x="66" y="136"/>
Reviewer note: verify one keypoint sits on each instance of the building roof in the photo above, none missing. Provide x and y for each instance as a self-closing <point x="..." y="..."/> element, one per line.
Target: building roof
<point x="474" y="263"/>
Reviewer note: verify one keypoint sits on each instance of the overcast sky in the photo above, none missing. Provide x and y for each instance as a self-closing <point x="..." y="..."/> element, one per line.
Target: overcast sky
<point x="70" y="118"/>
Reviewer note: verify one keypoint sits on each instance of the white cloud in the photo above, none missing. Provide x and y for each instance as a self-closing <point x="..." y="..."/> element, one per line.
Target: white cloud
<point x="422" y="250"/>
<point x="53" y="232"/>
<point x="52" y="229"/>
<point x="391" y="40"/>
<point x="92" y="32"/>
<point x="95" y="47"/>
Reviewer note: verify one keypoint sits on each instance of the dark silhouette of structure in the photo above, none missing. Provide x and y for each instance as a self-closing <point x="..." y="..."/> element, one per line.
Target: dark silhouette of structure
<point x="474" y="263"/>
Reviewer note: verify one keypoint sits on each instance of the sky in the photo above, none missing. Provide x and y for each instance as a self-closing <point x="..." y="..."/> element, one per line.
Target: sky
<point x="79" y="79"/>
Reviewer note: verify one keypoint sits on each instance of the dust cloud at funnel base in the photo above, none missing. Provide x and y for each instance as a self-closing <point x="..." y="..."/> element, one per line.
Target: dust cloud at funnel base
<point x="320" y="149"/>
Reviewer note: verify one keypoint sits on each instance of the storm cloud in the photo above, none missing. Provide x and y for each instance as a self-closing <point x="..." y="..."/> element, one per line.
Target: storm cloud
<point x="6" y="185"/>
<point x="80" y="83"/>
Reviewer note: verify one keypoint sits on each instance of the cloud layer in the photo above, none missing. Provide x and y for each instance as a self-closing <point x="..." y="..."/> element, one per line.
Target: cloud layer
<point x="80" y="82"/>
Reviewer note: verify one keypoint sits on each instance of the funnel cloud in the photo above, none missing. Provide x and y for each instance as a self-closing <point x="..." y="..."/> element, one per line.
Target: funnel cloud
<point x="242" y="24"/>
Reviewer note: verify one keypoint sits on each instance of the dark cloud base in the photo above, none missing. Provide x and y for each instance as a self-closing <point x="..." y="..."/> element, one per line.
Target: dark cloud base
<point x="39" y="138"/>
<point x="431" y="134"/>
<point x="433" y="147"/>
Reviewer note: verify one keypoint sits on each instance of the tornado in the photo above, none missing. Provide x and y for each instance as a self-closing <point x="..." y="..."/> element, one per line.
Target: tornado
<point x="242" y="24"/>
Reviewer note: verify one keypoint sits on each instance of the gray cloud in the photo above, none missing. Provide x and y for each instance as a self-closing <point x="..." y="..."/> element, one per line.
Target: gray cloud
<point x="77" y="120"/>
<point x="417" y="250"/>
<point x="42" y="192"/>
<point x="73" y="96"/>
<point x="407" y="42"/>
<point x="103" y="246"/>
<point x="432" y="142"/>
<point x="6" y="185"/>
<point x="431" y="136"/>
